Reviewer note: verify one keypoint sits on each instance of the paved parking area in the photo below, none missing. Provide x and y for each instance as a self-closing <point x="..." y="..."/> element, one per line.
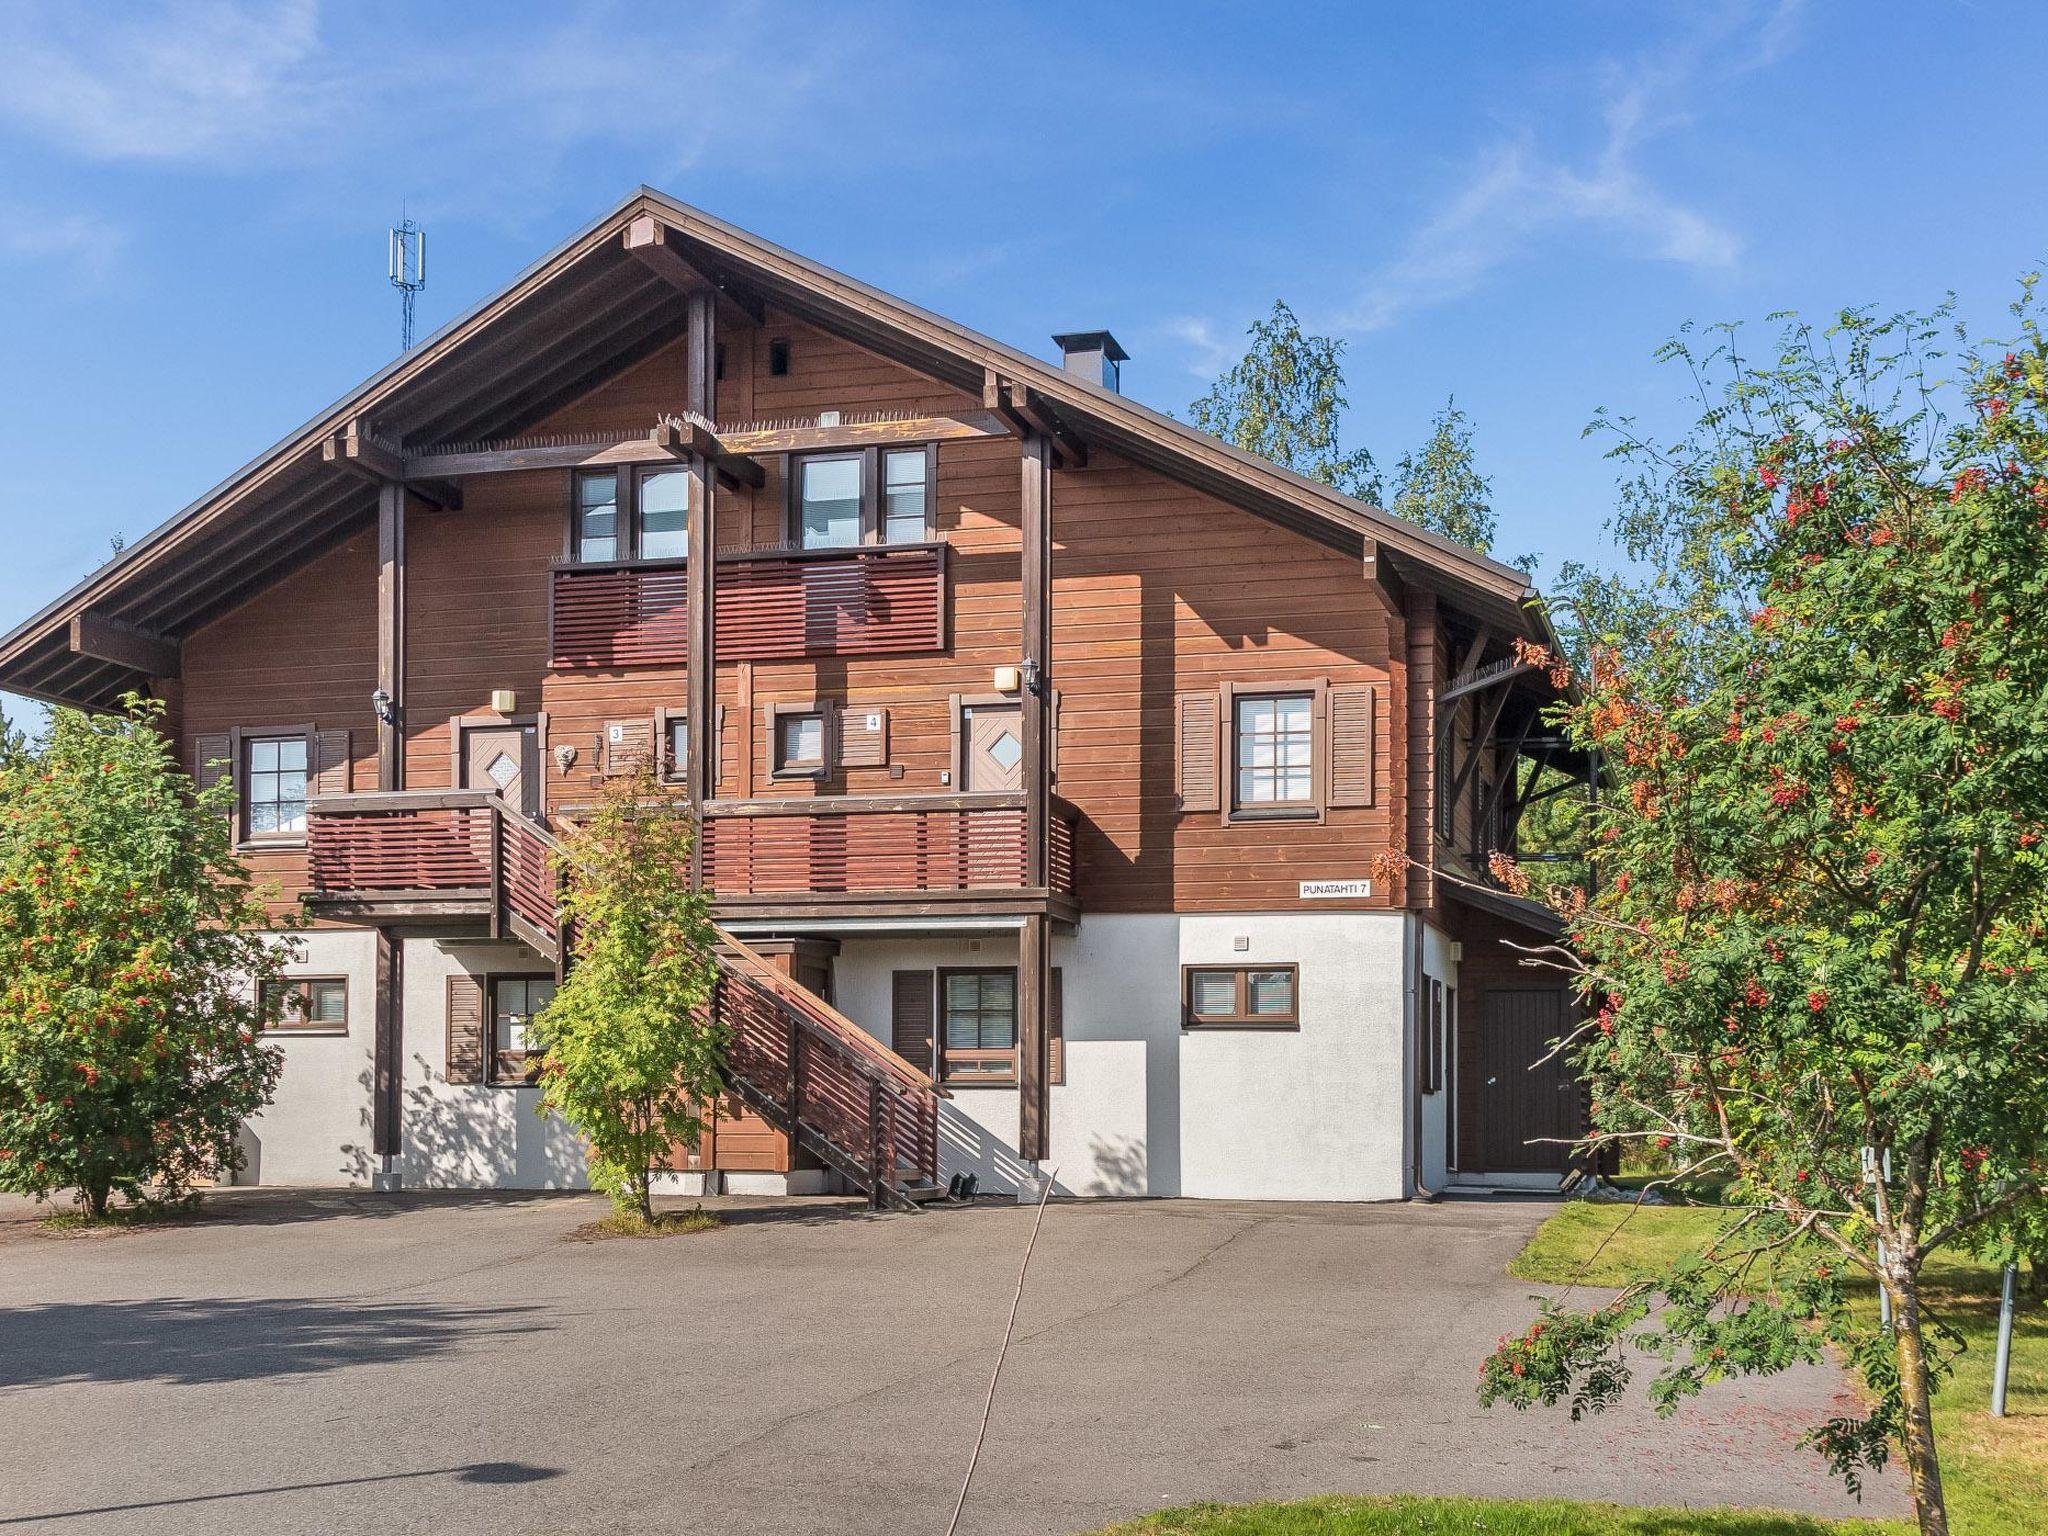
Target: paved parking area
<point x="348" y="1362"/>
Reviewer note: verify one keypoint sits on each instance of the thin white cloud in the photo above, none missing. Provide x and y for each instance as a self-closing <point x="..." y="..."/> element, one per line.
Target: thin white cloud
<point x="1519" y="194"/>
<point x="83" y="245"/>
<point x="197" y="80"/>
<point x="1206" y="353"/>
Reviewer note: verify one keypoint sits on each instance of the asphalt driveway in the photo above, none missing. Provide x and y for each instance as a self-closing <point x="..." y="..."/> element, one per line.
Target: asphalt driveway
<point x="342" y="1362"/>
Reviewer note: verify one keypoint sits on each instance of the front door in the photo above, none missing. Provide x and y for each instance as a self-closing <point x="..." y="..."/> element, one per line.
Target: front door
<point x="1528" y="1113"/>
<point x="991" y="748"/>
<point x="504" y="759"/>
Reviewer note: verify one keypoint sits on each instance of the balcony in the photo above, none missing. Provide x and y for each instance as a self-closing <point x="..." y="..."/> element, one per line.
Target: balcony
<point x="861" y="855"/>
<point x="783" y="604"/>
<point x="454" y="854"/>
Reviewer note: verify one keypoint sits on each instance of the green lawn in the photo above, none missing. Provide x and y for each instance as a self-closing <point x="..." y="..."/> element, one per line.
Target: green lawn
<point x="1493" y="1517"/>
<point x="1996" y="1470"/>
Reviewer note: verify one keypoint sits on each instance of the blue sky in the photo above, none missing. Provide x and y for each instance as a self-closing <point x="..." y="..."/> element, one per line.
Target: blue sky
<point x="1512" y="204"/>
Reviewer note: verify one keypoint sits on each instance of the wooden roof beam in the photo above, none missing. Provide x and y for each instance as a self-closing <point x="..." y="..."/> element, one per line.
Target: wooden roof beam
<point x="126" y="645"/>
<point x="1381" y="576"/>
<point x="1031" y="414"/>
<point x="355" y="449"/>
<point x="692" y="434"/>
<point x="646" y="240"/>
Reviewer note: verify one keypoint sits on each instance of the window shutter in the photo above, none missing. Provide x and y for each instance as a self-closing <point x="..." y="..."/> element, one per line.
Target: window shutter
<point x="464" y="1062"/>
<point x="1352" y="707"/>
<point x="1195" y="725"/>
<point x="910" y="1017"/>
<point x="628" y="745"/>
<point x="333" y="770"/>
<point x="1056" y="1029"/>
<point x="863" y="737"/>
<point x="212" y="758"/>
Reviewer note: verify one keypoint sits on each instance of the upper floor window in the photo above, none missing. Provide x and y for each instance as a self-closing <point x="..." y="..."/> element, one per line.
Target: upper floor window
<point x="799" y="734"/>
<point x="274" y="786"/>
<point x="1274" y="736"/>
<point x="874" y="496"/>
<point x="629" y="515"/>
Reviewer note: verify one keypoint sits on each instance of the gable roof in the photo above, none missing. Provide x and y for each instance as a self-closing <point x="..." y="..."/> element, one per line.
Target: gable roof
<point x="578" y="315"/>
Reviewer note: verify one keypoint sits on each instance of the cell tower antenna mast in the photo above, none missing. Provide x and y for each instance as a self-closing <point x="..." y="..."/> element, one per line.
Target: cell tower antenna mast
<point x="408" y="270"/>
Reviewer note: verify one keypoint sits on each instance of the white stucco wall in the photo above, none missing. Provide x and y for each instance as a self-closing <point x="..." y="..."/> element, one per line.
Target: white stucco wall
<point x="471" y="1137"/>
<point x="1148" y="1108"/>
<point x="316" y="1129"/>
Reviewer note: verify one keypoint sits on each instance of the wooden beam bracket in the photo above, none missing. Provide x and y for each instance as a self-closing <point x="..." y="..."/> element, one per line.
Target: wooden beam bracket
<point x="356" y="450"/>
<point x="124" y="644"/>
<point x="646" y="240"/>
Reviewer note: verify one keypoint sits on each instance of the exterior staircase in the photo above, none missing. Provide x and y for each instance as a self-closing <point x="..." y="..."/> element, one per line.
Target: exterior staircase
<point x="795" y="1060"/>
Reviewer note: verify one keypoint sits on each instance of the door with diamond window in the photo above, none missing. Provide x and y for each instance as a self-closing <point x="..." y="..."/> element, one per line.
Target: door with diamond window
<point x="504" y="759"/>
<point x="992" y="748"/>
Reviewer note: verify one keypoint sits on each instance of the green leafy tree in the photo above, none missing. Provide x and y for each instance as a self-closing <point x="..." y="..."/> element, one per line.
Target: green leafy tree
<point x="1818" y="945"/>
<point x="1282" y="401"/>
<point x="1440" y="486"/>
<point x="632" y="1051"/>
<point x="133" y="997"/>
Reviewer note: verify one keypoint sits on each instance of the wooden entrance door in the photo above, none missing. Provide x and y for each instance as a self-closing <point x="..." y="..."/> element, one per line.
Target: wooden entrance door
<point x="1521" y="1105"/>
<point x="504" y="759"/>
<point x="991" y="748"/>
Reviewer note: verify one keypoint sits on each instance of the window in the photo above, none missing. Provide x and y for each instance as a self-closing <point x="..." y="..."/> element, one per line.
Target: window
<point x="875" y="496"/>
<point x="1274" y="735"/>
<point x="663" y="508"/>
<point x="273" y="787"/>
<point x="594" y="517"/>
<point x="778" y="356"/>
<point x="798" y="737"/>
<point x="1240" y="997"/>
<point x="620" y="515"/>
<point x="307" y="1005"/>
<point x="906" y="487"/>
<point x="514" y="1002"/>
<point x="978" y="1026"/>
<point x="675" y="744"/>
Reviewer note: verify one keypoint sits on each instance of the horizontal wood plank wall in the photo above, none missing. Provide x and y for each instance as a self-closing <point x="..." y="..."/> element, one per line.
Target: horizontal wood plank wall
<point x="305" y="651"/>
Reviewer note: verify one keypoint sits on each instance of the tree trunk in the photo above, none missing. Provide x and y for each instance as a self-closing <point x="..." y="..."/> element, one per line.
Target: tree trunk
<point x="95" y="1192"/>
<point x="2037" y="1276"/>
<point x="1916" y="1393"/>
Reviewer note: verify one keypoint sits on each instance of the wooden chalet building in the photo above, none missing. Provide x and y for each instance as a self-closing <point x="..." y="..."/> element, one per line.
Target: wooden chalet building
<point x="1042" y="747"/>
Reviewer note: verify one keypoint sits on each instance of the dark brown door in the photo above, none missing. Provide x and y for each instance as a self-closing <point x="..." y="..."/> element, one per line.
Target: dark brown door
<point x="504" y="759"/>
<point x="1528" y="1113"/>
<point x="991" y="749"/>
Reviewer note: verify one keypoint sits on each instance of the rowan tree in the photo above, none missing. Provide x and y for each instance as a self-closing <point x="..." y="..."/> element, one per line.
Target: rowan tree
<point x="1815" y="951"/>
<point x="132" y="998"/>
<point x="632" y="1051"/>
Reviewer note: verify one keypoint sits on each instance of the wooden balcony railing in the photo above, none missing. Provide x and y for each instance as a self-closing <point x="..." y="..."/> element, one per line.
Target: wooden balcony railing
<point x="874" y="600"/>
<point x="427" y="852"/>
<point x="852" y="845"/>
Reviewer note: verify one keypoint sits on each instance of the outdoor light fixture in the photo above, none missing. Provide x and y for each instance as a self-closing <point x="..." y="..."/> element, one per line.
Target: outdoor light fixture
<point x="504" y="700"/>
<point x="385" y="710"/>
<point x="1006" y="680"/>
<point x="1034" y="676"/>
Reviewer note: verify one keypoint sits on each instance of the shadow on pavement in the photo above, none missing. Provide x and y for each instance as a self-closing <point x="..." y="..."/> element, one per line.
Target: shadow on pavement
<point x="483" y="1473"/>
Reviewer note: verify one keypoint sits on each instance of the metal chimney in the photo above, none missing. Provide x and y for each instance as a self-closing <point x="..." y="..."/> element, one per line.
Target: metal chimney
<point x="1091" y="355"/>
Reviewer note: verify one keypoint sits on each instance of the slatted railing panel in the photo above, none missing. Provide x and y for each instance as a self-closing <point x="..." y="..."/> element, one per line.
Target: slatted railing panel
<point x="856" y="602"/>
<point x="867" y="851"/>
<point x="620" y="616"/>
<point x="1061" y="852"/>
<point x="401" y="850"/>
<point x="526" y="866"/>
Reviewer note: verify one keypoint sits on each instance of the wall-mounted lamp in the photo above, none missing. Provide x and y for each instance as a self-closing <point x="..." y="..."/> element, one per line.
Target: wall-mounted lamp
<point x="1034" y="677"/>
<point x="381" y="704"/>
<point x="1006" y="680"/>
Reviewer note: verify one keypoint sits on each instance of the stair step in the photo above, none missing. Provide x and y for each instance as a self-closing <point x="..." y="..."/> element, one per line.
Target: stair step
<point x="923" y="1192"/>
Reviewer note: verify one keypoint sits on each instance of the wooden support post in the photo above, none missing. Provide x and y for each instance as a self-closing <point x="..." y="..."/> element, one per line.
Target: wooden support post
<point x="1034" y="957"/>
<point x="701" y="781"/>
<point x="388" y="985"/>
<point x="877" y="1174"/>
<point x="391" y="635"/>
<point x="796" y="1081"/>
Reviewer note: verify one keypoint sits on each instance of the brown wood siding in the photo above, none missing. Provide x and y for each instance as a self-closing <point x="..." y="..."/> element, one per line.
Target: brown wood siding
<point x="303" y="651"/>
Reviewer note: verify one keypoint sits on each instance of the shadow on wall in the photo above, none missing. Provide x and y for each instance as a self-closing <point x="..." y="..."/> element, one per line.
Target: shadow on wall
<point x="193" y="1342"/>
<point x="1120" y="1166"/>
<point x="966" y="1146"/>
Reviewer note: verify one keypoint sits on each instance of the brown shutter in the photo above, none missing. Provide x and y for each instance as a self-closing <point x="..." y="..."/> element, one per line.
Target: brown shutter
<point x="1195" y="727"/>
<point x="212" y="758"/>
<point x="859" y="745"/>
<point x="1351" y="743"/>
<point x="628" y="745"/>
<point x="465" y="1037"/>
<point x="910" y="1017"/>
<point x="1056" y="1029"/>
<point x="333" y="770"/>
